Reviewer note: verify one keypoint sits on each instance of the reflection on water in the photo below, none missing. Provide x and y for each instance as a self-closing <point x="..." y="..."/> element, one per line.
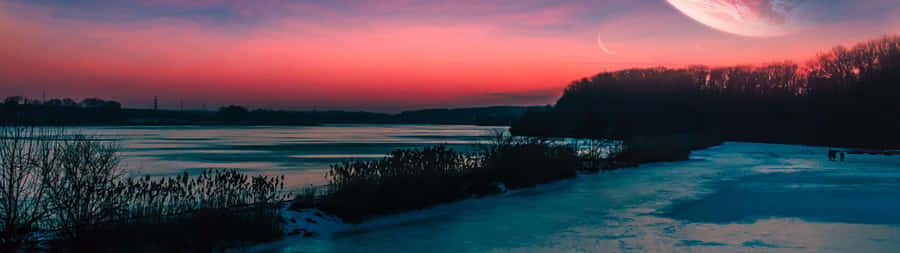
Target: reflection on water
<point x="301" y="154"/>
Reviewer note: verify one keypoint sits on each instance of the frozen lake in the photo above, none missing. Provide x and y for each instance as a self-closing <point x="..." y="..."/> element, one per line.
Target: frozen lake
<point x="302" y="153"/>
<point x="738" y="197"/>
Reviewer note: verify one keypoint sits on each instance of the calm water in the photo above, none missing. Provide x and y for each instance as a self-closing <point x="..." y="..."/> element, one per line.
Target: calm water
<point x="301" y="154"/>
<point x="739" y="197"/>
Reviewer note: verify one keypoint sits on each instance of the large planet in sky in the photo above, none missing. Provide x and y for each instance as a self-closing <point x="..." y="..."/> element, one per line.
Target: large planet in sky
<point x="752" y="18"/>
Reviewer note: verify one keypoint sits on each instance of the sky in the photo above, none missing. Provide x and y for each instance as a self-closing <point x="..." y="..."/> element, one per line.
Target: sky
<point x="383" y="56"/>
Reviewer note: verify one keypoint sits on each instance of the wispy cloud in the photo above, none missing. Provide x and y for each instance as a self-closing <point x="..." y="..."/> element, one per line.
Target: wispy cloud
<point x="401" y="53"/>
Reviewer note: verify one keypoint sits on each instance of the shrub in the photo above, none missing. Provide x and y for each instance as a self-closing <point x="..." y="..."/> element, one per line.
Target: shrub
<point x="669" y="148"/>
<point x="207" y="230"/>
<point x="73" y="188"/>
<point x="306" y="198"/>
<point x="413" y="179"/>
<point x="527" y="164"/>
<point x="408" y="179"/>
<point x="215" y="210"/>
<point x="82" y="184"/>
<point x="25" y="160"/>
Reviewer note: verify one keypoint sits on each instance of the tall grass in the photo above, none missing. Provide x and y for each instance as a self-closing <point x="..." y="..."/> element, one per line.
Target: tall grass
<point x="71" y="187"/>
<point x="215" y="210"/>
<point x="212" y="189"/>
<point x="411" y="179"/>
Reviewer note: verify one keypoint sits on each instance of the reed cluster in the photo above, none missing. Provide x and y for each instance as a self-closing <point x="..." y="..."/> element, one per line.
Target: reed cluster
<point x="410" y="179"/>
<point x="67" y="192"/>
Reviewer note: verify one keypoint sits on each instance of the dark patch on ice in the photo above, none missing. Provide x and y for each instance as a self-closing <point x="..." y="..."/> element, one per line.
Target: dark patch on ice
<point x="761" y="244"/>
<point x="183" y="139"/>
<point x="670" y="229"/>
<point x="351" y="233"/>
<point x="615" y="237"/>
<point x="811" y="196"/>
<point x="624" y="246"/>
<point x="691" y="243"/>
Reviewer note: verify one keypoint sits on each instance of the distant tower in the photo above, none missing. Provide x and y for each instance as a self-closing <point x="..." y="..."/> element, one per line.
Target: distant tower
<point x="155" y="103"/>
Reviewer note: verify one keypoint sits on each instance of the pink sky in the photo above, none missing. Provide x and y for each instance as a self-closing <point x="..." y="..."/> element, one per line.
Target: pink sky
<point x="368" y="55"/>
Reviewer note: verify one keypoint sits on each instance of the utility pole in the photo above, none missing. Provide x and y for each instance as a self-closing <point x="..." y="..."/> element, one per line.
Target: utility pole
<point x="155" y="103"/>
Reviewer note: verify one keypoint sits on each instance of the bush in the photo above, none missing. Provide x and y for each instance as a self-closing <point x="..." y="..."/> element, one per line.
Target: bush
<point x="207" y="230"/>
<point x="527" y="164"/>
<point x="414" y="179"/>
<point x="215" y="210"/>
<point x="72" y="188"/>
<point x="670" y="148"/>
<point x="25" y="161"/>
<point x="82" y="184"/>
<point x="407" y="180"/>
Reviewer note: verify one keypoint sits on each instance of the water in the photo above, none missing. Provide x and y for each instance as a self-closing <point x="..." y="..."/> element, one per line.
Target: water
<point x="738" y="197"/>
<point x="302" y="154"/>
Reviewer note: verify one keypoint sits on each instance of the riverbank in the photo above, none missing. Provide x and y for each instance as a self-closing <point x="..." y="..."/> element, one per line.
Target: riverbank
<point x="410" y="179"/>
<point x="414" y="179"/>
<point x="656" y="208"/>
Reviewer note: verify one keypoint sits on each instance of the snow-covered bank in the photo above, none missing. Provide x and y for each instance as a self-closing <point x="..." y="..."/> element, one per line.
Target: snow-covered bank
<point x="311" y="223"/>
<point x="629" y="210"/>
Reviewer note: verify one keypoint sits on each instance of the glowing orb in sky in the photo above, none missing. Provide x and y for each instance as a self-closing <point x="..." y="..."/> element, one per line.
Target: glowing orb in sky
<point x="752" y="18"/>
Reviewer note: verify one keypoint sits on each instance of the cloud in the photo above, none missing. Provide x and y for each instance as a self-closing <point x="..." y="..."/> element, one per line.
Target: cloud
<point x="345" y="53"/>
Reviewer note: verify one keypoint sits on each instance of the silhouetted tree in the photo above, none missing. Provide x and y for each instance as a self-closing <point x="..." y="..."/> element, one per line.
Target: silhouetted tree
<point x="13" y="100"/>
<point x="842" y="97"/>
<point x="234" y="113"/>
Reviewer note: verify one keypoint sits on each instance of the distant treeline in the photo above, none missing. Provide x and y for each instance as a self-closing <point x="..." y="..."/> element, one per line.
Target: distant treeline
<point x="846" y="97"/>
<point x="61" y="111"/>
<point x="95" y="111"/>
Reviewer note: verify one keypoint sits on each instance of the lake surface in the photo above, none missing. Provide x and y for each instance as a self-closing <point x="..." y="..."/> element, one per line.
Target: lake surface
<point x="738" y="197"/>
<point x="302" y="154"/>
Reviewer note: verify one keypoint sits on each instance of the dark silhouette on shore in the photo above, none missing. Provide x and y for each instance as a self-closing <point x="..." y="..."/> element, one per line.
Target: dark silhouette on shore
<point x="65" y="192"/>
<point x="95" y="111"/>
<point x="845" y="97"/>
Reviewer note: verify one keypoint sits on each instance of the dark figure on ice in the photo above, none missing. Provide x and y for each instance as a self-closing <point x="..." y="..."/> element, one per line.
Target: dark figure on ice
<point x="842" y="156"/>
<point x="832" y="154"/>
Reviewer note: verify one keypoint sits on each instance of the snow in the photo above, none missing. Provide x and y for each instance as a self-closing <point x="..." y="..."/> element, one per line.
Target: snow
<point x="737" y="197"/>
<point x="311" y="223"/>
